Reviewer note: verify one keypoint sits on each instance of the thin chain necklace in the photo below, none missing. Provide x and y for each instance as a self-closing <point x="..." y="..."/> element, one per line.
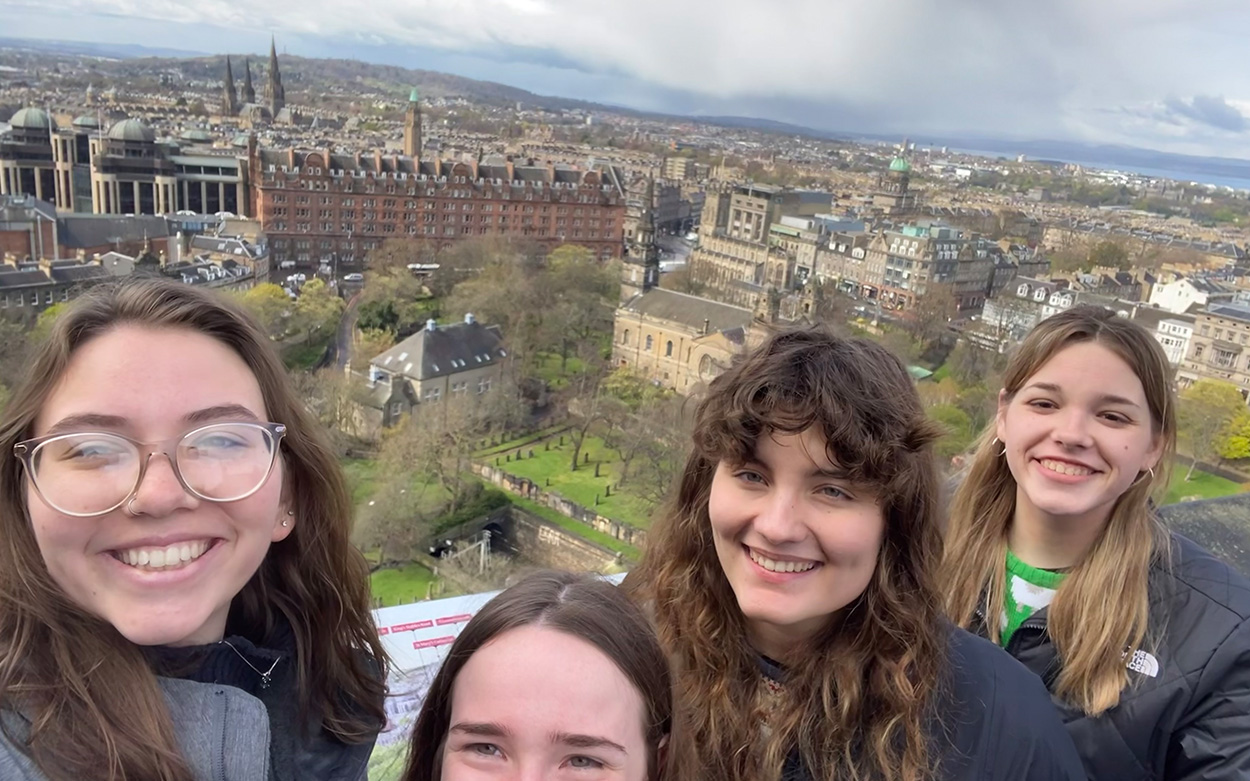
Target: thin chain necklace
<point x="266" y="676"/>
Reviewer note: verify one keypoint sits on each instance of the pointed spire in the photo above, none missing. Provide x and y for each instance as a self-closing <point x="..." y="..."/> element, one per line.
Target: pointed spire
<point x="249" y="92"/>
<point x="229" y="98"/>
<point x="274" y="93"/>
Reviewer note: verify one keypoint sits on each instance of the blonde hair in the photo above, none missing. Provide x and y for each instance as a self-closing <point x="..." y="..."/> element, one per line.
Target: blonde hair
<point x="1091" y="633"/>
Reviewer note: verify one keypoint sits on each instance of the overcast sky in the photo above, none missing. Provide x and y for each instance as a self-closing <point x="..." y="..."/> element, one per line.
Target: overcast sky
<point x="1162" y="74"/>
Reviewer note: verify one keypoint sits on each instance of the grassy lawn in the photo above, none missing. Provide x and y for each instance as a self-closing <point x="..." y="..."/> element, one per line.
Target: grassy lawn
<point x="548" y="369"/>
<point x="578" y="528"/>
<point x="512" y="444"/>
<point x="941" y="373"/>
<point x="582" y="486"/>
<point x="401" y="585"/>
<point x="363" y="477"/>
<point x="1203" y="486"/>
<point x="303" y="356"/>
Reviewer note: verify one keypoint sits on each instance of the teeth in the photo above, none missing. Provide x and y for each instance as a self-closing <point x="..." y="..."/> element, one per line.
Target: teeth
<point x="163" y="558"/>
<point x="1065" y="468"/>
<point x="780" y="566"/>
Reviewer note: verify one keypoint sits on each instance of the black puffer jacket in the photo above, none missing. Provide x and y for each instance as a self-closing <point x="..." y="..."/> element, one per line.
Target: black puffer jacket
<point x="1186" y="715"/>
<point x="993" y="721"/>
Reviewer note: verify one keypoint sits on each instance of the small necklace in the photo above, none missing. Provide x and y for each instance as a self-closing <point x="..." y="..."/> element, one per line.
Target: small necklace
<point x="266" y="675"/>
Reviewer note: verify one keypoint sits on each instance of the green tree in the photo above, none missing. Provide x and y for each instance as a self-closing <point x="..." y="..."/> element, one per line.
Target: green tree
<point x="43" y="324"/>
<point x="1109" y="253"/>
<point x="929" y="316"/>
<point x="1236" y="441"/>
<point x="317" y="309"/>
<point x="270" y="305"/>
<point x="14" y="352"/>
<point x="370" y="343"/>
<point x="959" y="429"/>
<point x="1205" y="415"/>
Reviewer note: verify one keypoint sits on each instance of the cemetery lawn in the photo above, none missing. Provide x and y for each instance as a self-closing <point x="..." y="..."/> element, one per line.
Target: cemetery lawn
<point x="581" y="486"/>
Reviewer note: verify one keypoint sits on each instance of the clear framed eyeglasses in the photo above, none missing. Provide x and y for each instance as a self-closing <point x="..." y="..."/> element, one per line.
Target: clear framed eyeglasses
<point x="85" y="474"/>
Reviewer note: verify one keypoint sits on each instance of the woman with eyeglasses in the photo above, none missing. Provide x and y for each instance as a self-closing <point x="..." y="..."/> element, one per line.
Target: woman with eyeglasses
<point x="178" y="595"/>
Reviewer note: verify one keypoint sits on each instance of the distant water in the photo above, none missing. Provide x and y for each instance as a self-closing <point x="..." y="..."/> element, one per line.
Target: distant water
<point x="1179" y="174"/>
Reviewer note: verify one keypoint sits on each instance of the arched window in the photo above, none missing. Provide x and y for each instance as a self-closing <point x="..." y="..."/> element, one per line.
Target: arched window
<point x="668" y="349"/>
<point x="650" y="344"/>
<point x="625" y="337"/>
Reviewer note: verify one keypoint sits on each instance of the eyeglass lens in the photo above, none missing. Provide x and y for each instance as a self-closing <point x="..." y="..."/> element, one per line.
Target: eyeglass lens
<point x="92" y="472"/>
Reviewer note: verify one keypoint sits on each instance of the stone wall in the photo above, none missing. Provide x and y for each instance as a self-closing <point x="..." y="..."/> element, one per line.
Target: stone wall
<point x="545" y="544"/>
<point x="522" y="486"/>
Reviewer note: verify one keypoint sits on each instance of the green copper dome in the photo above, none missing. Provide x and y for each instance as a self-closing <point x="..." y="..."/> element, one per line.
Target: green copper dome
<point x="901" y="165"/>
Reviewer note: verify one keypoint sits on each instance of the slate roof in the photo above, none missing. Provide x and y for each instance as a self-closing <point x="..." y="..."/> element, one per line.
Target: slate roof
<point x="443" y="350"/>
<point x="1222" y="526"/>
<point x="224" y="245"/>
<point x="80" y="231"/>
<point x="688" y="310"/>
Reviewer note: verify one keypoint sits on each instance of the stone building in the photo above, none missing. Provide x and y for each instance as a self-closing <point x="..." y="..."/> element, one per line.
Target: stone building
<point x="124" y="171"/>
<point x="28" y="288"/>
<point x="1219" y="348"/>
<point x="893" y="195"/>
<point x="316" y="205"/>
<point x="439" y="362"/>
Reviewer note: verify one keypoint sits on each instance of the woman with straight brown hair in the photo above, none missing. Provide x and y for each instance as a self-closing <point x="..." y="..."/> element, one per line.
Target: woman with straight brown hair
<point x="178" y="596"/>
<point x="792" y="585"/>
<point x="558" y="677"/>
<point x="1055" y="552"/>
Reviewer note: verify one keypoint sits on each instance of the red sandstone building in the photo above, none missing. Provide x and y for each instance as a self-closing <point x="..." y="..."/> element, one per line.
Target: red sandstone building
<point x="315" y="205"/>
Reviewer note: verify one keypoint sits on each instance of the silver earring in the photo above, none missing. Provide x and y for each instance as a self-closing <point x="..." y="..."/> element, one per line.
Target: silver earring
<point x="996" y="441"/>
<point x="287" y="521"/>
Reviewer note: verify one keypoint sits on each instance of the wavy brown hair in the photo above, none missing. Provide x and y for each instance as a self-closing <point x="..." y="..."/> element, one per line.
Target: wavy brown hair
<point x="91" y="697"/>
<point x="858" y="701"/>
<point x="1090" y="632"/>
<point x="579" y="605"/>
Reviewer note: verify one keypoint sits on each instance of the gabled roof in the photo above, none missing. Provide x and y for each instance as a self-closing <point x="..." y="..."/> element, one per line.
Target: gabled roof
<point x="80" y="231"/>
<point x="443" y="350"/>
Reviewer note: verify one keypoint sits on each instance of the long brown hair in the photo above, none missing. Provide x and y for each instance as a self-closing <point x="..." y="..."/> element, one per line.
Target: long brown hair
<point x="95" y="708"/>
<point x="858" y="700"/>
<point x="1090" y="631"/>
<point x="579" y="605"/>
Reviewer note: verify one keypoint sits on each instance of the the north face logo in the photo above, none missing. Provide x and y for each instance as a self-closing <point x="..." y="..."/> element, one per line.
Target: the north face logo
<point x="1144" y="663"/>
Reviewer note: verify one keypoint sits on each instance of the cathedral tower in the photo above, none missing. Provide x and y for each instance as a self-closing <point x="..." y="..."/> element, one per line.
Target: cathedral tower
<point x="275" y="95"/>
<point x="249" y="92"/>
<point x="229" y="99"/>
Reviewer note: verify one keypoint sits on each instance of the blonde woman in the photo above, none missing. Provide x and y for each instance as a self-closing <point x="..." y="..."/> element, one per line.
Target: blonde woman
<point x="1054" y="551"/>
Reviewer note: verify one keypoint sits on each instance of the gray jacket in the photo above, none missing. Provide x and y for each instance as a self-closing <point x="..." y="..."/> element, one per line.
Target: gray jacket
<point x="223" y="733"/>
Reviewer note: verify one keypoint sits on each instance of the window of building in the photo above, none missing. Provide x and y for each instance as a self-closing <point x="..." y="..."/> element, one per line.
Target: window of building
<point x="625" y="337"/>
<point x="649" y="342"/>
<point x="668" y="349"/>
<point x="483" y="385"/>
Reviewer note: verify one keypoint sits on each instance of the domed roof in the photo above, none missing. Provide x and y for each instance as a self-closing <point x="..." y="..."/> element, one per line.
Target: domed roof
<point x="32" y="119"/>
<point x="901" y="165"/>
<point x="86" y="120"/>
<point x="132" y="130"/>
<point x="195" y="134"/>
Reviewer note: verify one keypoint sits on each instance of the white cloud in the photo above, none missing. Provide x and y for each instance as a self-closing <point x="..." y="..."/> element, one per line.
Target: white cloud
<point x="1059" y="68"/>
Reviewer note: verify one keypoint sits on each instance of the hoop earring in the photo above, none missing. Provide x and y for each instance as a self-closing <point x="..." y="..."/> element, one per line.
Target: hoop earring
<point x="997" y="441"/>
<point x="1143" y="477"/>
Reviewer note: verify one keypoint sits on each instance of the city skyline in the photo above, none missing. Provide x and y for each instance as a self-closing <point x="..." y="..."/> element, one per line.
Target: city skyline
<point x="1160" y="74"/>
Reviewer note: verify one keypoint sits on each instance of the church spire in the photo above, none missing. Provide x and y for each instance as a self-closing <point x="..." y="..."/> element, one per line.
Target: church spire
<point x="275" y="95"/>
<point x="229" y="99"/>
<point x="641" y="270"/>
<point x="249" y="92"/>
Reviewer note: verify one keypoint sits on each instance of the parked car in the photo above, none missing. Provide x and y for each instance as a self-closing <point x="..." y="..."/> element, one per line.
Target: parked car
<point x="354" y="278"/>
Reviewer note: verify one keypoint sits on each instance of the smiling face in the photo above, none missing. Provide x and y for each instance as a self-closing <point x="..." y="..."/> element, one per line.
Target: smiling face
<point x="796" y="540"/>
<point x="1077" y="434"/>
<point x="539" y="703"/>
<point x="154" y="386"/>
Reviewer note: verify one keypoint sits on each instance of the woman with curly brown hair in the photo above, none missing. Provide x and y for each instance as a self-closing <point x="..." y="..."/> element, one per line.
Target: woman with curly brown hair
<point x="791" y="583"/>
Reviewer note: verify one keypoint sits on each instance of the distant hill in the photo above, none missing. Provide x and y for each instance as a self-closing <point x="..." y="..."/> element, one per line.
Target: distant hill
<point x="111" y="50"/>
